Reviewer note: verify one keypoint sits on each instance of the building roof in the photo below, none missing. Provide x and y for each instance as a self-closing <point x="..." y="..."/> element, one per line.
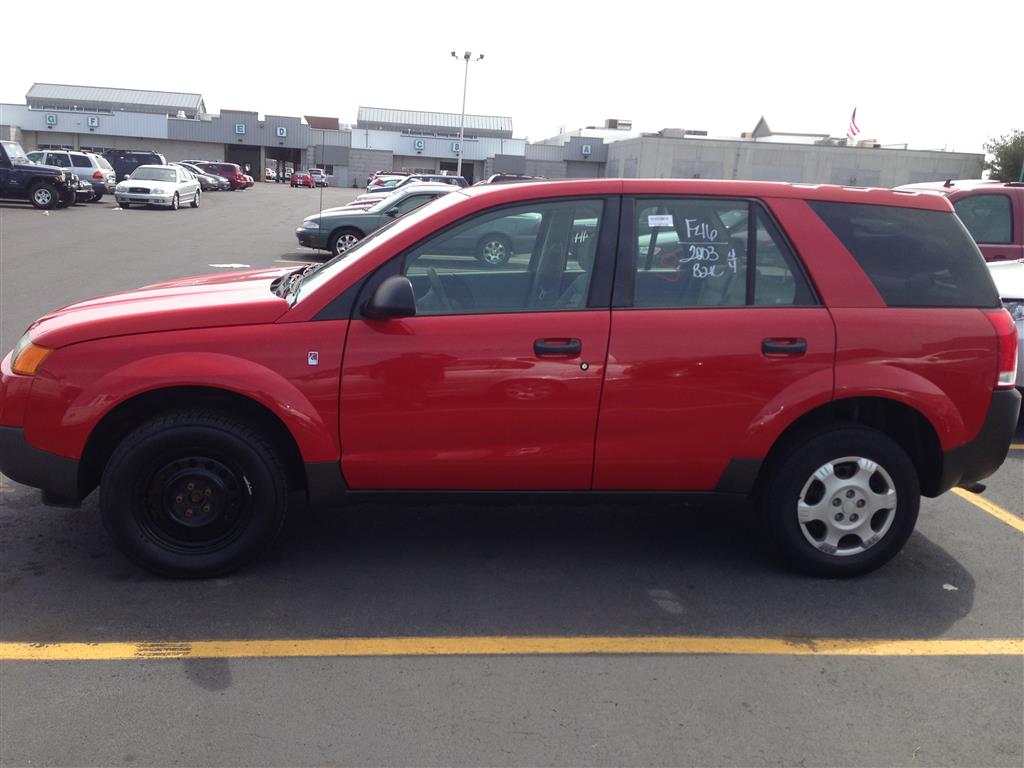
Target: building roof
<point x="370" y="117"/>
<point x="88" y="96"/>
<point x="322" y="123"/>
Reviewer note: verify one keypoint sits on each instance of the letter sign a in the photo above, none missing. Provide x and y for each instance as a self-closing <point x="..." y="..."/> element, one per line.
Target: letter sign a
<point x="585" y="149"/>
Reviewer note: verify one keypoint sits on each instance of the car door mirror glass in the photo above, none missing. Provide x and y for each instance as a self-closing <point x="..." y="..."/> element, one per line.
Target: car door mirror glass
<point x="393" y="298"/>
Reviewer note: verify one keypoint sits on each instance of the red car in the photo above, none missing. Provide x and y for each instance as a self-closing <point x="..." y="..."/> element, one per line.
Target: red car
<point x="828" y="354"/>
<point x="992" y="211"/>
<point x="303" y="179"/>
<point x="230" y="171"/>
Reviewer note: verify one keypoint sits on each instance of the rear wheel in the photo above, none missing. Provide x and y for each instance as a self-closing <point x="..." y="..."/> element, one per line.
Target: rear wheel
<point x="494" y="250"/>
<point x="842" y="503"/>
<point x="96" y="197"/>
<point x="125" y="205"/>
<point x="193" y="494"/>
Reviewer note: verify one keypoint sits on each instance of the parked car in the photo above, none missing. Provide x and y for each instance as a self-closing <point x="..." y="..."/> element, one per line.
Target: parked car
<point x="509" y="178"/>
<point x="302" y="179"/>
<point x="269" y="174"/>
<point x="249" y="180"/>
<point x="88" y="166"/>
<point x="992" y="211"/>
<point x="1009" y="279"/>
<point x="208" y="182"/>
<point x="164" y="185"/>
<point x="200" y="406"/>
<point x="125" y="161"/>
<point x="390" y="178"/>
<point x="84" y="192"/>
<point x="368" y="199"/>
<point x="374" y="174"/>
<point x="319" y="176"/>
<point x="339" y="229"/>
<point x="44" y="186"/>
<point x="434" y="178"/>
<point x="230" y="171"/>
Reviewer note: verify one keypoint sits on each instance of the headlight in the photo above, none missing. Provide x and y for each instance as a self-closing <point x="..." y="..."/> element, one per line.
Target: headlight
<point x="308" y="224"/>
<point x="1015" y="308"/>
<point x="28" y="357"/>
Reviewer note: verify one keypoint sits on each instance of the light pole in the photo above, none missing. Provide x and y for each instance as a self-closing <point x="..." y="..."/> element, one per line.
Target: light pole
<point x="467" y="56"/>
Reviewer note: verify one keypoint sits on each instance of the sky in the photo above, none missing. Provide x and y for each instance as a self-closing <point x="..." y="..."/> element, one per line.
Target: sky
<point x="933" y="75"/>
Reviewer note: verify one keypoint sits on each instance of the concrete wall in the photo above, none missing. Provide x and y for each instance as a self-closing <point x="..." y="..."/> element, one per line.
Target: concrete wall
<point x="721" y="159"/>
<point x="364" y="161"/>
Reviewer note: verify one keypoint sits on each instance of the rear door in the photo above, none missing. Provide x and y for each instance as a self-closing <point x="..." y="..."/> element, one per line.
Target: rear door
<point x="495" y="383"/>
<point x="716" y="332"/>
<point x="990" y="217"/>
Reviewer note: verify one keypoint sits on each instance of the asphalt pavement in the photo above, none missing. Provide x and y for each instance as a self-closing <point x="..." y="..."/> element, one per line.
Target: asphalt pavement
<point x="543" y="584"/>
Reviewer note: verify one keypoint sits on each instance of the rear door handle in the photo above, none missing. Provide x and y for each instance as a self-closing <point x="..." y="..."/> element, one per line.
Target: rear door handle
<point x="784" y="347"/>
<point x="557" y="347"/>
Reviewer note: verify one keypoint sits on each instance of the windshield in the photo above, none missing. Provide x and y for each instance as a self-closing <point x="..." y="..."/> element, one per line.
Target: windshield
<point x="15" y="153"/>
<point x="370" y="244"/>
<point x="154" y="174"/>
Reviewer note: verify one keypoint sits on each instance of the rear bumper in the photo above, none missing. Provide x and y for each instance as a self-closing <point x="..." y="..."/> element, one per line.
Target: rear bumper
<point x="56" y="476"/>
<point x="979" y="458"/>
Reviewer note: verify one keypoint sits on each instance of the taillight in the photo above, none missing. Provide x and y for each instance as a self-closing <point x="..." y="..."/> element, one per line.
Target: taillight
<point x="1006" y="334"/>
<point x="98" y="175"/>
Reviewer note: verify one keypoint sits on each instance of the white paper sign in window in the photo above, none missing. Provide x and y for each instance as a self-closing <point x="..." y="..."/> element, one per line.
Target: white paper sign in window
<point x="660" y="220"/>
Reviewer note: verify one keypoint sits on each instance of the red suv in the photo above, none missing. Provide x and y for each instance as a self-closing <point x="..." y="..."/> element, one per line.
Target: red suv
<point x="829" y="354"/>
<point x="230" y="171"/>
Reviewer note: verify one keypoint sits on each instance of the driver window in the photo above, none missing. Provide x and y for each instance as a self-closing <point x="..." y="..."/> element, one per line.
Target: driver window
<point x="408" y="204"/>
<point x="527" y="258"/>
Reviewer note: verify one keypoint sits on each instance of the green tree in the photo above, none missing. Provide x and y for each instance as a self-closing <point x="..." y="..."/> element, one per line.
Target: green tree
<point x="1007" y="156"/>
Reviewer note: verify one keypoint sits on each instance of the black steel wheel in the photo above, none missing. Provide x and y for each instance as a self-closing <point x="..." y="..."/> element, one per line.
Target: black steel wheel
<point x="193" y="494"/>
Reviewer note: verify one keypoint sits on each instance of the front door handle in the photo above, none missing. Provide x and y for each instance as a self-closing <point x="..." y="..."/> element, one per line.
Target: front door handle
<point x="784" y="347"/>
<point x="557" y="347"/>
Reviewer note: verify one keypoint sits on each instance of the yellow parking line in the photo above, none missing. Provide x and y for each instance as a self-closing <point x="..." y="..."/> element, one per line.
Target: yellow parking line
<point x="1017" y="446"/>
<point x="996" y="511"/>
<point x="505" y="646"/>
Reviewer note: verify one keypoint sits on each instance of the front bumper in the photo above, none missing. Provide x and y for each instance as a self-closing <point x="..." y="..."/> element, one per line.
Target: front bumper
<point x="141" y="199"/>
<point x="982" y="456"/>
<point x="56" y="476"/>
<point x="311" y="238"/>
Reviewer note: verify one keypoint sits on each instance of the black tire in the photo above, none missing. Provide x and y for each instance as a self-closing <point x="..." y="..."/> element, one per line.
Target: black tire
<point x="97" y="197"/>
<point x="174" y="202"/>
<point x="864" y="536"/>
<point x="494" y="249"/>
<point x="125" y="205"/>
<point x="193" y="494"/>
<point x="343" y="239"/>
<point x="43" y="196"/>
<point x="195" y="200"/>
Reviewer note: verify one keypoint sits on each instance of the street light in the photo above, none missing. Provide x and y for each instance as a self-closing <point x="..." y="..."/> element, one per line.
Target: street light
<point x="467" y="56"/>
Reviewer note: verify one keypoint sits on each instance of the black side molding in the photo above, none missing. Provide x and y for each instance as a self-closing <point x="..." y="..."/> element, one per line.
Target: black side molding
<point x="739" y="477"/>
<point x="57" y="476"/>
<point x="325" y="485"/>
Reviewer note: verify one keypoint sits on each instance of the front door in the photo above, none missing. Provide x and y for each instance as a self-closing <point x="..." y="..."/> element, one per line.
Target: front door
<point x="495" y="383"/>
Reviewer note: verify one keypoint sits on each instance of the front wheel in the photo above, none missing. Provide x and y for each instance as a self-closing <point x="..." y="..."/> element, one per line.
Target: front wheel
<point x="43" y="196"/>
<point x="125" y="205"/>
<point x="193" y="493"/>
<point x="97" y="197"/>
<point x="342" y="241"/>
<point x="195" y="200"/>
<point x="842" y="503"/>
<point x="174" y="202"/>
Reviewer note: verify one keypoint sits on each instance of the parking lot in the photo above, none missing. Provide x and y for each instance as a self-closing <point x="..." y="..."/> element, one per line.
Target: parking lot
<point x="461" y="635"/>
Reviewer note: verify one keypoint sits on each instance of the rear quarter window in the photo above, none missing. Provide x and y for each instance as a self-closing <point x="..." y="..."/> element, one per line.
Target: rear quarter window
<point x="914" y="258"/>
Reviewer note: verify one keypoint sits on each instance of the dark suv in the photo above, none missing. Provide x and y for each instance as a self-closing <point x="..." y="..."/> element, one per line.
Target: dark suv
<point x="125" y="161"/>
<point x="822" y="356"/>
<point x="45" y="186"/>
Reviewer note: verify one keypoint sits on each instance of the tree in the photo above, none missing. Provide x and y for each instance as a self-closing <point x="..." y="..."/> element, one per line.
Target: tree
<point x="1007" y="156"/>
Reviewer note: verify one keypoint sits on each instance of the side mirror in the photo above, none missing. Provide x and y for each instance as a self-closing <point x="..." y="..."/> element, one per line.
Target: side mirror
<point x="393" y="298"/>
<point x="127" y="176"/>
<point x="393" y="213"/>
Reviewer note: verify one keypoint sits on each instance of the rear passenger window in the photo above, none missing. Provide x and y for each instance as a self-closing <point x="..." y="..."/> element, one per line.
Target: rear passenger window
<point x="695" y="252"/>
<point x="914" y="258"/>
<point x="987" y="217"/>
<point x="80" y="161"/>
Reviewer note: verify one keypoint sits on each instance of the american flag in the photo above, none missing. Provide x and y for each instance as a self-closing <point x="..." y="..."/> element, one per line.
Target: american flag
<point x="853" y="130"/>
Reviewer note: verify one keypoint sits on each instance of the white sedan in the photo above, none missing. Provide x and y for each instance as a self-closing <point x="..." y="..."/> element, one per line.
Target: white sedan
<point x="165" y="185"/>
